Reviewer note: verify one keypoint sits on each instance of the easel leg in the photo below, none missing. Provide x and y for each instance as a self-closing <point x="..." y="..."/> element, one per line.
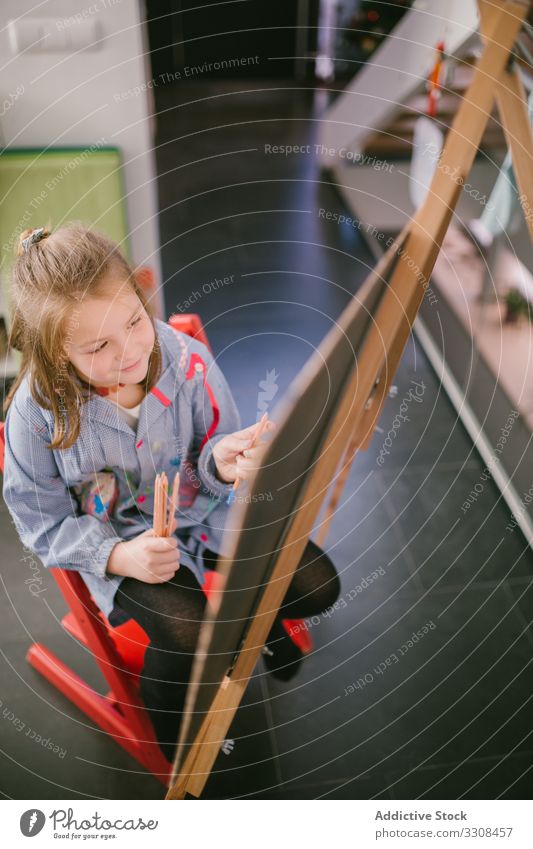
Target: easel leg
<point x="199" y="762"/>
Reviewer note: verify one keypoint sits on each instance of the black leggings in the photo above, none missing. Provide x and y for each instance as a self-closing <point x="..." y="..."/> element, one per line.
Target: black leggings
<point x="171" y="614"/>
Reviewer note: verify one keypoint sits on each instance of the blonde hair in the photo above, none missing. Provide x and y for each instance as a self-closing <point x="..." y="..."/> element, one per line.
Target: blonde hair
<point x="50" y="277"/>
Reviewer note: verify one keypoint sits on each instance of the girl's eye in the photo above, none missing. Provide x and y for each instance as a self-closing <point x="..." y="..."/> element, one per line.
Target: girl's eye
<point x="134" y="322"/>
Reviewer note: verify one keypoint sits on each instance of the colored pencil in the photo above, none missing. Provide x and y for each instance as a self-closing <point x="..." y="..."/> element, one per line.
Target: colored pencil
<point x="159" y="505"/>
<point x="261" y="425"/>
<point x="173" y="502"/>
<point x="158" y="512"/>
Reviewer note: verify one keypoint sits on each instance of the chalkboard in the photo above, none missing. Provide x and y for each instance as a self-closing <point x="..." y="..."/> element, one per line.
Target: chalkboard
<point x="257" y="527"/>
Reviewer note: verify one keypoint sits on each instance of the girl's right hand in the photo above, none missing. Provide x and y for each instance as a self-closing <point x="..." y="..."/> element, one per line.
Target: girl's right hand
<point x="146" y="557"/>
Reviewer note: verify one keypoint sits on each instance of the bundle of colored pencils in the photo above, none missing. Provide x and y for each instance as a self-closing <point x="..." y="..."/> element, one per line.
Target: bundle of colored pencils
<point x="162" y="521"/>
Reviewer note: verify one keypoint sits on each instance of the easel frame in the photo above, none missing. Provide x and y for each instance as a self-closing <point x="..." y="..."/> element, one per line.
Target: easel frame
<point x="512" y="106"/>
<point x="406" y="267"/>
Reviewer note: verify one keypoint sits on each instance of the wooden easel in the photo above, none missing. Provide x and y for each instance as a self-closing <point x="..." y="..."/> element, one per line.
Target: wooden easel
<point x="406" y="269"/>
<point x="512" y="106"/>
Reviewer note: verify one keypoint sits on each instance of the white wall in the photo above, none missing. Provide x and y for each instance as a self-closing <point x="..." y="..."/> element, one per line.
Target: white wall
<point x="68" y="99"/>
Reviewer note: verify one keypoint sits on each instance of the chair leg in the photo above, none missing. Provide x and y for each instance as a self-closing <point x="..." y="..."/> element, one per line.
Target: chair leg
<point x="104" y="711"/>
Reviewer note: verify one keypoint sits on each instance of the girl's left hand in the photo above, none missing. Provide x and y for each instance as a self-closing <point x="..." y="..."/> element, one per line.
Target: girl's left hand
<point x="234" y="456"/>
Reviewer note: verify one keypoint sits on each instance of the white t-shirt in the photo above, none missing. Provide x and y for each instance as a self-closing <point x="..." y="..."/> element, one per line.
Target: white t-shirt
<point x="130" y="414"/>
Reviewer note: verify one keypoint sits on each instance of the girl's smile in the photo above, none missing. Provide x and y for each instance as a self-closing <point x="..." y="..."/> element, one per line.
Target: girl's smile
<point x="130" y="368"/>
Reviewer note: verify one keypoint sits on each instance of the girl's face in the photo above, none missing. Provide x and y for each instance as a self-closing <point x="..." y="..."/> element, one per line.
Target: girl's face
<point x="109" y="340"/>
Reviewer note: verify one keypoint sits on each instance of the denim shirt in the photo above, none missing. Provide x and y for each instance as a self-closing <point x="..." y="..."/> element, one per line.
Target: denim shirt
<point x="180" y="421"/>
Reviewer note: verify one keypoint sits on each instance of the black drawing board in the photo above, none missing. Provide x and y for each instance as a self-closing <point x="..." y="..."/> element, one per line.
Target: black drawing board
<point x="257" y="527"/>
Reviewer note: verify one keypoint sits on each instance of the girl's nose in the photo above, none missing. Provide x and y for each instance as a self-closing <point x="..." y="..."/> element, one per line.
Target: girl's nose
<point x="127" y="357"/>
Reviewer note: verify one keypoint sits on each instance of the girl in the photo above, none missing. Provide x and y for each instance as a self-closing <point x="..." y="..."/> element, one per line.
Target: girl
<point x="106" y="397"/>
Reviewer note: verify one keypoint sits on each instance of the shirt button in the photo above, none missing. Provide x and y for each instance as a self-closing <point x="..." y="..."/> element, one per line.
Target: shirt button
<point x="199" y="367"/>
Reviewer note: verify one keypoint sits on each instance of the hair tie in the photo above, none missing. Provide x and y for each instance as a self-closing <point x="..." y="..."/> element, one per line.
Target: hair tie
<point x="35" y="236"/>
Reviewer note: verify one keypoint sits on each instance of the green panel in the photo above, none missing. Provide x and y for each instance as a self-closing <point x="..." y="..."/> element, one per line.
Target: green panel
<point x="56" y="186"/>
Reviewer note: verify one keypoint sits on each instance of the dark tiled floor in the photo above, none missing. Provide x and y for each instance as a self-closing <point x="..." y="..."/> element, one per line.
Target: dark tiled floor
<point x="369" y="715"/>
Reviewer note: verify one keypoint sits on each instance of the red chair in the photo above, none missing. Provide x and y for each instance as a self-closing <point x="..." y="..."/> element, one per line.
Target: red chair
<point x="119" y="651"/>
